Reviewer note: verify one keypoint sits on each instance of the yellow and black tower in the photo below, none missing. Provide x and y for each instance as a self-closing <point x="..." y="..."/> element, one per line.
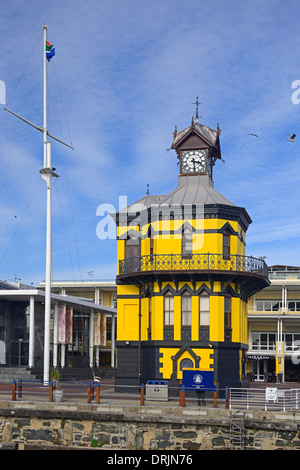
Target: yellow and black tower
<point x="183" y="278"/>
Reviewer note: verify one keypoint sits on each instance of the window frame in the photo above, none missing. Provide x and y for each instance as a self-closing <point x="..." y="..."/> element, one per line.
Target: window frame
<point x="227" y="313"/>
<point x="204" y="312"/>
<point x="169" y="312"/>
<point x="186" y="313"/>
<point x="226" y="244"/>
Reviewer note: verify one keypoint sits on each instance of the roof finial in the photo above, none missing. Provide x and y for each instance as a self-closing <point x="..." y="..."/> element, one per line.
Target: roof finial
<point x="175" y="132"/>
<point x="197" y="108"/>
<point x="147" y="190"/>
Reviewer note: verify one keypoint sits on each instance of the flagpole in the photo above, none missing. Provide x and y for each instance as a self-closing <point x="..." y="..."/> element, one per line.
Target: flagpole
<point x="45" y="97"/>
<point x="47" y="176"/>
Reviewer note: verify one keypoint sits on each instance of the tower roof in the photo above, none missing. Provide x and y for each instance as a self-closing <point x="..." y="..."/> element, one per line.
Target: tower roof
<point x="210" y="136"/>
<point x="193" y="190"/>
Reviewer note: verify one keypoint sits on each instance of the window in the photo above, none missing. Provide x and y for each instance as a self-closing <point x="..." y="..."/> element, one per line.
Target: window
<point x="114" y="300"/>
<point x="268" y="305"/>
<point x="186" y="364"/>
<point x="132" y="247"/>
<point x="151" y="246"/>
<point x="169" y="310"/>
<point x="187" y="242"/>
<point x="204" y="309"/>
<point x="186" y="310"/>
<point x="227" y="312"/>
<point x="294" y="306"/>
<point x="263" y="341"/>
<point x="226" y="244"/>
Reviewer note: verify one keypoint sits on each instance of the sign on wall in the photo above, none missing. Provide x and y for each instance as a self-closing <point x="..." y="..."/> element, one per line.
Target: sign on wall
<point x="198" y="380"/>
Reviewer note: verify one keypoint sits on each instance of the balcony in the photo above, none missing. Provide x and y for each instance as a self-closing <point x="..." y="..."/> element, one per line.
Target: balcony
<point x="253" y="271"/>
<point x="194" y="262"/>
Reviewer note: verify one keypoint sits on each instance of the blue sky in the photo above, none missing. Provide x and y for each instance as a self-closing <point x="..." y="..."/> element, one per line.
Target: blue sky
<point x="128" y="72"/>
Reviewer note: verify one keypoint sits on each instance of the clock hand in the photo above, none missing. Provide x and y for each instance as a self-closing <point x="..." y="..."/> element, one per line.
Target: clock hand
<point x="193" y="160"/>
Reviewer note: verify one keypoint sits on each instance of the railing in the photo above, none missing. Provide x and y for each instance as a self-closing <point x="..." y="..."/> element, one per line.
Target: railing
<point x="196" y="262"/>
<point x="267" y="399"/>
<point x="264" y="346"/>
<point x="96" y="393"/>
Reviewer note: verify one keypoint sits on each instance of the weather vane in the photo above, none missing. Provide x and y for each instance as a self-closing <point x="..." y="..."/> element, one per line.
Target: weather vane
<point x="197" y="108"/>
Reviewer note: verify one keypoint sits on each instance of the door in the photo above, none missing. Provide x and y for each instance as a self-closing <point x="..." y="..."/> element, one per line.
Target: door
<point x="258" y="370"/>
<point x="19" y="351"/>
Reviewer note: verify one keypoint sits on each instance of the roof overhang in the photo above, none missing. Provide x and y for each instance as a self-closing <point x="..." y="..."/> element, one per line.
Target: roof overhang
<point x="23" y="295"/>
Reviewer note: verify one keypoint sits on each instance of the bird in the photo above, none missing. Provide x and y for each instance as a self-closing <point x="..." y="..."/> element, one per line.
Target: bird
<point x="254" y="135"/>
<point x="292" y="137"/>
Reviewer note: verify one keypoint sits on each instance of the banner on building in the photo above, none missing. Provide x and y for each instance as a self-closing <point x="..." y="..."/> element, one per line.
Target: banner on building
<point x="62" y="324"/>
<point x="103" y="329"/>
<point x="69" y="325"/>
<point x="97" y="329"/>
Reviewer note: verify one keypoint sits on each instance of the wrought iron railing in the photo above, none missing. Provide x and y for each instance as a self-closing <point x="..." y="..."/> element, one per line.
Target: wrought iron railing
<point x="193" y="262"/>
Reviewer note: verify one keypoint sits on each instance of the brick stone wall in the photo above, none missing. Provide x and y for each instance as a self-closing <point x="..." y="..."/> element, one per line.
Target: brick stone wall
<point x="144" y="428"/>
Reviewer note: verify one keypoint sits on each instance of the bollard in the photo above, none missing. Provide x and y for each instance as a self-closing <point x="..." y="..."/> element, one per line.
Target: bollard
<point x="20" y="388"/>
<point x="50" y="391"/>
<point x="89" y="393"/>
<point x="92" y="390"/>
<point x="215" y="395"/>
<point x="97" y="385"/>
<point x="226" y="397"/>
<point x="182" y="396"/>
<point x="13" y="390"/>
<point x="142" y="395"/>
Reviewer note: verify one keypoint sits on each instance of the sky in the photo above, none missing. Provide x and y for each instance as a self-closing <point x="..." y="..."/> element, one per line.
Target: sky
<point x="124" y="74"/>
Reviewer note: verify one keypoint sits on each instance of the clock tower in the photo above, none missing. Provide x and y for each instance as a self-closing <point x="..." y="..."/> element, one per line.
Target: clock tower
<point x="184" y="279"/>
<point x="198" y="149"/>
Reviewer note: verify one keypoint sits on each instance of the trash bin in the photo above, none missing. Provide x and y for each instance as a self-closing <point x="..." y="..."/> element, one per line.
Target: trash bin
<point x="157" y="390"/>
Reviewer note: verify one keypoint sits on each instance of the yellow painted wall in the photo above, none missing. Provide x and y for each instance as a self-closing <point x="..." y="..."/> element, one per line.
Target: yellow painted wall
<point x="166" y="361"/>
<point x="216" y="330"/>
<point x="167" y="243"/>
<point x="128" y="308"/>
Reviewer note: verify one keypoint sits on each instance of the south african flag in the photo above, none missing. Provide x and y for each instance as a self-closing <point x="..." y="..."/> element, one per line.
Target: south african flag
<point x="50" y="50"/>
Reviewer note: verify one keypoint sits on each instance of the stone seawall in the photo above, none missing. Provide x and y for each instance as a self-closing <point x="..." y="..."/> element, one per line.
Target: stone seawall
<point x="84" y="426"/>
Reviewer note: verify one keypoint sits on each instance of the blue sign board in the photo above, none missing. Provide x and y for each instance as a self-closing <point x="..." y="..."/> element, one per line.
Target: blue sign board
<point x="198" y="380"/>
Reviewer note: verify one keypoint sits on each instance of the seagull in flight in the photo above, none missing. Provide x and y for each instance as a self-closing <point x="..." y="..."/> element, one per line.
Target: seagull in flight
<point x="254" y="135"/>
<point x="292" y="137"/>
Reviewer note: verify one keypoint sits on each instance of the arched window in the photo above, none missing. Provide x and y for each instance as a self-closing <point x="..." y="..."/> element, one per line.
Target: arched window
<point x="169" y="309"/>
<point x="186" y="309"/>
<point x="204" y="309"/>
<point x="186" y="364"/>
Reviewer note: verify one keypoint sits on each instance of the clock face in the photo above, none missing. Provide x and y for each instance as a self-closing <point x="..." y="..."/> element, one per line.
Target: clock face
<point x="193" y="161"/>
